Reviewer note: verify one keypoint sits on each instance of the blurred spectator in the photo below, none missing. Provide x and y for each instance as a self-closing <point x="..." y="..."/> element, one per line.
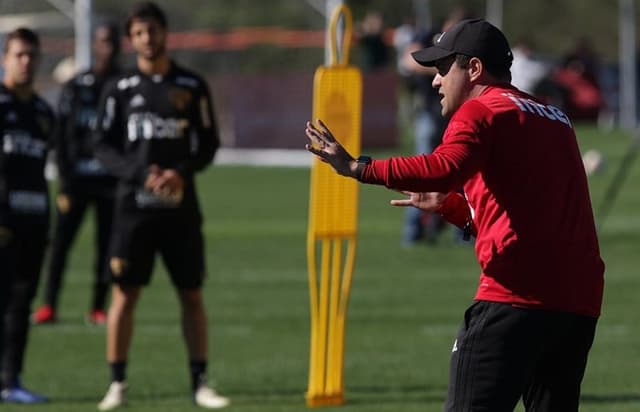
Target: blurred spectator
<point x="528" y="69"/>
<point x="610" y="90"/>
<point x="429" y="124"/>
<point x="577" y="79"/>
<point x="370" y="34"/>
<point x="584" y="53"/>
<point x="403" y="36"/>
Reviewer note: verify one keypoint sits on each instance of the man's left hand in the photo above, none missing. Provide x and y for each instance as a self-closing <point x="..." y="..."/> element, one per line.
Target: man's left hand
<point x="170" y="183"/>
<point x="428" y="202"/>
<point x="165" y="182"/>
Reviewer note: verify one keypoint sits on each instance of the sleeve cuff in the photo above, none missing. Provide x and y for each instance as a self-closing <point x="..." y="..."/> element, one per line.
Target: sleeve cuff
<point x="455" y="209"/>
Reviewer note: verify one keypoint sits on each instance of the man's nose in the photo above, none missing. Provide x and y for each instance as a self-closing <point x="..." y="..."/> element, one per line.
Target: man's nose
<point x="435" y="83"/>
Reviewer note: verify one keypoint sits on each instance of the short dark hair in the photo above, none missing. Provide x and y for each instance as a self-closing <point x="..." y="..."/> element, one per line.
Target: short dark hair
<point x="24" y="34"/>
<point x="145" y="10"/>
<point x="499" y="71"/>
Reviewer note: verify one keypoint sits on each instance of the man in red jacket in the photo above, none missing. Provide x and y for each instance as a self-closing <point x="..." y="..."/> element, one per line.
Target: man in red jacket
<point x="526" y="200"/>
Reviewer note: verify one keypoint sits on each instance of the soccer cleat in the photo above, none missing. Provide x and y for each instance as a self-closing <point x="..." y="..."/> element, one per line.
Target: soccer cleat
<point x="116" y="396"/>
<point x="18" y="394"/>
<point x="208" y="398"/>
<point x="96" y="317"/>
<point x="44" y="314"/>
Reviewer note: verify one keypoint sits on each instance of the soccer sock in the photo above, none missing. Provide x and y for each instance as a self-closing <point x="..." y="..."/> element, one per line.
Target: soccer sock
<point x="100" y="291"/>
<point x="8" y="380"/>
<point x="198" y="373"/>
<point x="118" y="371"/>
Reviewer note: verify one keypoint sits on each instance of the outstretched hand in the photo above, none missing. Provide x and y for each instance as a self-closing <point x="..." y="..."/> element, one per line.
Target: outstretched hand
<point x="428" y="202"/>
<point x="329" y="150"/>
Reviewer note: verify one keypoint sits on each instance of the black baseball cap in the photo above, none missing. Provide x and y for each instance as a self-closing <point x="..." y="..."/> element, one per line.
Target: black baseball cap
<point x="472" y="37"/>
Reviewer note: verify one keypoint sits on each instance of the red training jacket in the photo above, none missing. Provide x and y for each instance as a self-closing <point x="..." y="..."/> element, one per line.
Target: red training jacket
<point x="527" y="195"/>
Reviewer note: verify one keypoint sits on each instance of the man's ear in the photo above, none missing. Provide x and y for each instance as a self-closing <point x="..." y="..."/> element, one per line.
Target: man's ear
<point x="475" y="68"/>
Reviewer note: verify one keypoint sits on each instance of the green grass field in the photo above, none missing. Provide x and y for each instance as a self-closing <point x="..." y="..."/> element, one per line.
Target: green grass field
<point x="405" y="308"/>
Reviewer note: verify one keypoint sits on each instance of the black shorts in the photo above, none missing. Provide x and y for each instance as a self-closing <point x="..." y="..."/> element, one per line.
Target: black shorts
<point x="136" y="238"/>
<point x="503" y="353"/>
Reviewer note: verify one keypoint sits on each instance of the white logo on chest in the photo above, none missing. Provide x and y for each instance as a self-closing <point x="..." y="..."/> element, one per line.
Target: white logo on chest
<point x="18" y="142"/>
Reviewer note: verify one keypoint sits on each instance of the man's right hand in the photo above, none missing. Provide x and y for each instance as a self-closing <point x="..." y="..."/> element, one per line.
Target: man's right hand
<point x="329" y="150"/>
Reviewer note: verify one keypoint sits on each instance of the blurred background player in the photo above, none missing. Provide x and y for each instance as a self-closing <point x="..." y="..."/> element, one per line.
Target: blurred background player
<point x="428" y="128"/>
<point x="155" y="130"/>
<point x="578" y="79"/>
<point x="374" y="51"/>
<point x="26" y="128"/>
<point x="529" y="69"/>
<point x="83" y="179"/>
<point x="429" y="124"/>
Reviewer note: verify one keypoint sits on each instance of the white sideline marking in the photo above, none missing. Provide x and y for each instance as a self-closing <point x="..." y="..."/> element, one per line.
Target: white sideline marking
<point x="263" y="157"/>
<point x="239" y="157"/>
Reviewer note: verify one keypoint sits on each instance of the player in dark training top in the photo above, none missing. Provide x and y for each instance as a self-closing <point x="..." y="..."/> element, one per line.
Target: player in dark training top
<point x="26" y="127"/>
<point x="155" y="131"/>
<point x="83" y="179"/>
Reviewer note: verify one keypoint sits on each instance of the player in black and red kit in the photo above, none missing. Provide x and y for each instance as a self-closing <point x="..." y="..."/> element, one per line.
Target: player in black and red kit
<point x="83" y="180"/>
<point x="26" y="127"/>
<point x="155" y="131"/>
